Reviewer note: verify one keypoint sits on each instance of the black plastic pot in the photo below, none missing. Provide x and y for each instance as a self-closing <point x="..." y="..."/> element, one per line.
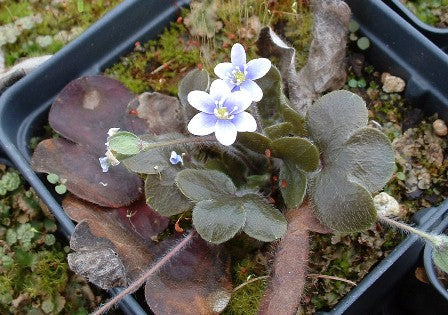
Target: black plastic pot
<point x="24" y="106"/>
<point x="438" y="35"/>
<point x="429" y="265"/>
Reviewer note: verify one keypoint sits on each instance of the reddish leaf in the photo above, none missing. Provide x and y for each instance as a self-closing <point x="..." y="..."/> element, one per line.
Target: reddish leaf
<point x="141" y="219"/>
<point x="288" y="275"/>
<point x="196" y="281"/>
<point x="87" y="108"/>
<point x="159" y="114"/>
<point x="83" y="173"/>
<point x="135" y="254"/>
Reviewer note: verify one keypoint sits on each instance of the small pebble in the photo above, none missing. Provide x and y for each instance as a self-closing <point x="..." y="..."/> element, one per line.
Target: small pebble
<point x="392" y="84"/>
<point x="440" y="128"/>
<point x="386" y="205"/>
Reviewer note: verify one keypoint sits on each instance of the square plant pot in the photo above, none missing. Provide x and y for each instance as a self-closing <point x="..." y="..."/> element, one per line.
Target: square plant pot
<point x="437" y="35"/>
<point x="23" y="108"/>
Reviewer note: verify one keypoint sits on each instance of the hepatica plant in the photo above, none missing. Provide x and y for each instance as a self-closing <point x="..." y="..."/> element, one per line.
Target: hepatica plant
<point x="330" y="154"/>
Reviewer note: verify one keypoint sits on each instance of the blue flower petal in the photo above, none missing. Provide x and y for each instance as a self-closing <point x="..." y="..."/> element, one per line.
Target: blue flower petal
<point x="201" y="101"/>
<point x="223" y="70"/>
<point x="240" y="99"/>
<point x="175" y="158"/>
<point x="257" y="68"/>
<point x="252" y="89"/>
<point x="219" y="90"/>
<point x="225" y="132"/>
<point x="104" y="162"/>
<point x="244" y="122"/>
<point x="202" y="124"/>
<point x="238" y="56"/>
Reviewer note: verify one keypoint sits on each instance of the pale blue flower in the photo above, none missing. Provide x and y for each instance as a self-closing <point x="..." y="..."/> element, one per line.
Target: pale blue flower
<point x="108" y="160"/>
<point x="222" y="112"/>
<point x="176" y="158"/>
<point x="240" y="75"/>
<point x="104" y="162"/>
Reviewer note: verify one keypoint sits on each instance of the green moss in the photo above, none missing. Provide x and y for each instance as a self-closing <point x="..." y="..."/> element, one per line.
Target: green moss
<point x="62" y="22"/>
<point x="33" y="267"/>
<point x="432" y="12"/>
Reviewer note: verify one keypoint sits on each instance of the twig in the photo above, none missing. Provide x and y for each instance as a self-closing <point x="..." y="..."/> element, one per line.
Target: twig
<point x="163" y="66"/>
<point x="139" y="282"/>
<point x="242" y="285"/>
<point x="332" y="278"/>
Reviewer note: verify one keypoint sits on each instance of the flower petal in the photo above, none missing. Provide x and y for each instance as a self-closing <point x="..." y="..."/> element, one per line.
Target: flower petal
<point x="244" y="122"/>
<point x="219" y="89"/>
<point x="202" y="124"/>
<point x="241" y="99"/>
<point x="225" y="132"/>
<point x="201" y="101"/>
<point x="257" y="68"/>
<point x="238" y="56"/>
<point x="222" y="70"/>
<point x="252" y="89"/>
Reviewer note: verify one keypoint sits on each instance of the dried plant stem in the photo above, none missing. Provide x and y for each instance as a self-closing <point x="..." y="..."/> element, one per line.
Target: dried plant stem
<point x="316" y="275"/>
<point x="242" y="285"/>
<point x="140" y="281"/>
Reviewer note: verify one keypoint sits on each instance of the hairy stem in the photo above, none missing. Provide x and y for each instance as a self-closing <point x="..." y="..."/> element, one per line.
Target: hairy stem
<point x="407" y="228"/>
<point x="154" y="145"/>
<point x="140" y="281"/>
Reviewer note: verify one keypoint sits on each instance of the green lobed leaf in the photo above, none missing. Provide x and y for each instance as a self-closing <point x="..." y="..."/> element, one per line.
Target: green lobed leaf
<point x="299" y="151"/>
<point x="199" y="185"/>
<point x="155" y="160"/>
<point x="334" y="117"/>
<point x="368" y="157"/>
<point x="293" y="185"/>
<point x="195" y="80"/>
<point x="163" y="195"/>
<point x="220" y="219"/>
<point x="340" y="204"/>
<point x="297" y="121"/>
<point x="52" y="178"/>
<point x="254" y="141"/>
<point x="278" y="130"/>
<point x="60" y="189"/>
<point x="124" y="142"/>
<point x="263" y="222"/>
<point x="440" y="256"/>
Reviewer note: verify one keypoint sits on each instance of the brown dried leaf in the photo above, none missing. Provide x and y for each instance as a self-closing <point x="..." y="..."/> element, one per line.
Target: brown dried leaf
<point x="196" y="281"/>
<point x="81" y="169"/>
<point x="288" y="275"/>
<point x="325" y="68"/>
<point x="159" y="114"/>
<point x="95" y="258"/>
<point x="135" y="254"/>
<point x="87" y="108"/>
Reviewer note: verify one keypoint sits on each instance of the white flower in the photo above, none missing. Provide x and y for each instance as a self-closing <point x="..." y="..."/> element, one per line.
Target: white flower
<point x="239" y="75"/>
<point x="222" y="112"/>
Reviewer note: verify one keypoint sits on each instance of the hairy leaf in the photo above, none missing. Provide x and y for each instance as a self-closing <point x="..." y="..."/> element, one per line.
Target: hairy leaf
<point x="334" y="117"/>
<point x="158" y="114"/>
<point x="440" y="255"/>
<point x="296" y="120"/>
<point x="293" y="184"/>
<point x="87" y="108"/>
<point x="83" y="173"/>
<point x="199" y="185"/>
<point x="263" y="222"/>
<point x="299" y="151"/>
<point x="254" y="141"/>
<point x="279" y="130"/>
<point x="218" y="220"/>
<point x="124" y="142"/>
<point x="195" y="281"/>
<point x="163" y="195"/>
<point x="155" y="160"/>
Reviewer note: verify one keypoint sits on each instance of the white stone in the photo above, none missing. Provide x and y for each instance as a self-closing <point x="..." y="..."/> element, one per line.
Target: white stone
<point x="392" y="84"/>
<point x="386" y="205"/>
<point x="440" y="128"/>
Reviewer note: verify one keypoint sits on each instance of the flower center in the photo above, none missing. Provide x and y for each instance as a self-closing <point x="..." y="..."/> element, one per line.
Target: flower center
<point x="239" y="77"/>
<point x="221" y="112"/>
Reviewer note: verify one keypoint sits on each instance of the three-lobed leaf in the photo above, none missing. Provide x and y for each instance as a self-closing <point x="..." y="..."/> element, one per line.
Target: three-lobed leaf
<point x="293" y="185"/>
<point x="299" y="151"/>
